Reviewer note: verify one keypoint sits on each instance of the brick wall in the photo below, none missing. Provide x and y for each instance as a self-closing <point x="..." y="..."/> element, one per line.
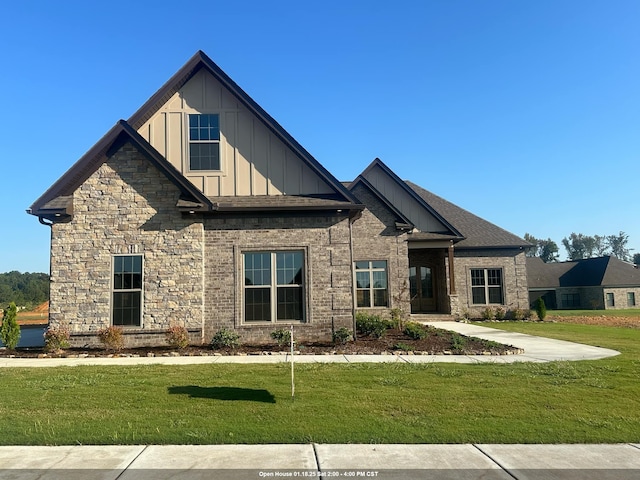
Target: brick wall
<point x="126" y="207"/>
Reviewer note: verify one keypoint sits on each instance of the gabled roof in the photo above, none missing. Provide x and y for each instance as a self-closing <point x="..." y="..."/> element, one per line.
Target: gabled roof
<point x="477" y="232"/>
<point x="55" y="204"/>
<point x="402" y="222"/>
<point x="201" y="61"/>
<point x="453" y="233"/>
<point x="589" y="272"/>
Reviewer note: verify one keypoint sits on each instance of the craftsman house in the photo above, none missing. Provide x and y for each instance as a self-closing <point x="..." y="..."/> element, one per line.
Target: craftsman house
<point x="201" y="210"/>
<point x="591" y="283"/>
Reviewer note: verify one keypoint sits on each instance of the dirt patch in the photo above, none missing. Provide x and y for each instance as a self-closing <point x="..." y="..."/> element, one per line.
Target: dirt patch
<point x="394" y="342"/>
<point x="606" y="320"/>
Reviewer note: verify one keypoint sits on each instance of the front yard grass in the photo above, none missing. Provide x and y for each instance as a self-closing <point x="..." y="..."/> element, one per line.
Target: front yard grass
<point x="559" y="402"/>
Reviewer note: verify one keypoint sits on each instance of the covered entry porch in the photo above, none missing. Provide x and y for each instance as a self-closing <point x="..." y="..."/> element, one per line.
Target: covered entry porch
<point x="431" y="278"/>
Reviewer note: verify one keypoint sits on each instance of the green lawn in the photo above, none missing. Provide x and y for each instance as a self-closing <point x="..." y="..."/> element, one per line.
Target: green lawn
<point x="561" y="402"/>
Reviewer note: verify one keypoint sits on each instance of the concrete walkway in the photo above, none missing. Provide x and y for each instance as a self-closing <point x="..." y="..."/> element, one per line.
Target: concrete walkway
<point x="536" y="349"/>
<point x="157" y="462"/>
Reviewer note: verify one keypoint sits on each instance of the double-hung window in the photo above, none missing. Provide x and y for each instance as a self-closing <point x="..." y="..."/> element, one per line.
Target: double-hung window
<point x="486" y="286"/>
<point x="371" y="284"/>
<point x="204" y="141"/>
<point x="273" y="286"/>
<point x="126" y="296"/>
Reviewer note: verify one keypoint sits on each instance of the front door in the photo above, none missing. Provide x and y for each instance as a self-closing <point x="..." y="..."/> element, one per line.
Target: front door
<point x="422" y="289"/>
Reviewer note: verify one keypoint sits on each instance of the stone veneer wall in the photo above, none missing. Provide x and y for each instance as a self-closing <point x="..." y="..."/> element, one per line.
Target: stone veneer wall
<point x="127" y="207"/>
<point x="514" y="271"/>
<point x="325" y="242"/>
<point x="596" y="297"/>
<point x="376" y="238"/>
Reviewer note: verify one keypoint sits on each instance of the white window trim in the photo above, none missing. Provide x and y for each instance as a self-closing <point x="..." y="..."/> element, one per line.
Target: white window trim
<point x="113" y="290"/>
<point x="187" y="145"/>
<point x="371" y="289"/>
<point x="306" y="297"/>
<point x="486" y="286"/>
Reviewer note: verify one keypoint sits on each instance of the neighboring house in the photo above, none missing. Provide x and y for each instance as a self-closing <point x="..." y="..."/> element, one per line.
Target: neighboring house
<point x="201" y="210"/>
<point x="592" y="283"/>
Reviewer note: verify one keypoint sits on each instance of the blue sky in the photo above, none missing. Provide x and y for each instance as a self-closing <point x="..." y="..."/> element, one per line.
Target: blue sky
<point x="525" y="113"/>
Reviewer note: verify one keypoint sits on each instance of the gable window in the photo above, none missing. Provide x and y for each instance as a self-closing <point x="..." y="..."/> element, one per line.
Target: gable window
<point x="126" y="297"/>
<point x="371" y="284"/>
<point x="610" y="300"/>
<point x="486" y="286"/>
<point x="273" y="286"/>
<point x="204" y="141"/>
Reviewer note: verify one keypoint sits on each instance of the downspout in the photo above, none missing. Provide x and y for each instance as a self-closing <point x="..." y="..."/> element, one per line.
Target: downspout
<point x="353" y="284"/>
<point x="50" y="225"/>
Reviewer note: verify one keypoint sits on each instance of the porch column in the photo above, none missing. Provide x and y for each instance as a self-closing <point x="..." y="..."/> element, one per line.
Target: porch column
<point x="452" y="275"/>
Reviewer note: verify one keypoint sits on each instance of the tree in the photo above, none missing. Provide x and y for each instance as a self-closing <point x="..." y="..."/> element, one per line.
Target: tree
<point x="546" y="250"/>
<point x="541" y="309"/>
<point x="636" y="258"/>
<point x="10" y="330"/>
<point x="618" y="245"/>
<point x="576" y="246"/>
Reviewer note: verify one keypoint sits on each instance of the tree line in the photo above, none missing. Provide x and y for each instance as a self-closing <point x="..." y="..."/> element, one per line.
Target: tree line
<point x="579" y="246"/>
<point x="24" y="289"/>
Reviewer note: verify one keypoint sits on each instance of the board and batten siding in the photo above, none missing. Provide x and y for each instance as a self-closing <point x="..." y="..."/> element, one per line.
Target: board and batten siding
<point x="403" y="201"/>
<point x="253" y="160"/>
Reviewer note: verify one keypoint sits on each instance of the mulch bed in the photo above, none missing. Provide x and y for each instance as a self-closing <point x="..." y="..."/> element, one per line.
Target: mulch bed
<point x="394" y="342"/>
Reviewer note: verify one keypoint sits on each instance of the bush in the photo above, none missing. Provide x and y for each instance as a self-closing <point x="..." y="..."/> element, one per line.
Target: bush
<point x="177" y="336"/>
<point x="541" y="309"/>
<point x="10" y="330"/>
<point x="458" y="342"/>
<point x="488" y="314"/>
<point x="112" y="338"/>
<point x="402" y="347"/>
<point x="518" y="314"/>
<point x="225" y="338"/>
<point x="342" y="335"/>
<point x="282" y="336"/>
<point x="373" y="325"/>
<point x="415" y="330"/>
<point x="56" y="339"/>
<point x="500" y="313"/>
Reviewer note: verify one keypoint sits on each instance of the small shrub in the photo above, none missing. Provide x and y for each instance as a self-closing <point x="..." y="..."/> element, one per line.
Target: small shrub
<point x="541" y="309"/>
<point x="372" y="325"/>
<point x="465" y="315"/>
<point x="177" y="336"/>
<point x="415" y="331"/>
<point x="518" y="314"/>
<point x="458" y="342"/>
<point x="342" y="335"/>
<point x="225" y="338"/>
<point x="112" y="338"/>
<point x="403" y="347"/>
<point x="282" y="336"/>
<point x="10" y="330"/>
<point x="56" y="339"/>
<point x="500" y="313"/>
<point x="397" y="317"/>
<point x="488" y="314"/>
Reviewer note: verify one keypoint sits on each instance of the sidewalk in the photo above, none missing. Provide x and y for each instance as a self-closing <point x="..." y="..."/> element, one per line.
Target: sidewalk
<point x="155" y="462"/>
<point x="536" y="349"/>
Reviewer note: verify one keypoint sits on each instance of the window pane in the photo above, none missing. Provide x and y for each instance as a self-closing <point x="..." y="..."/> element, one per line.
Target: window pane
<point x="362" y="265"/>
<point x="477" y="277"/>
<point x="289" y="303"/>
<point x="478" y="295"/>
<point x="413" y="284"/>
<point x="379" y="264"/>
<point x="494" y="276"/>
<point x="380" y="298"/>
<point x="495" y="295"/>
<point x="427" y="282"/>
<point x="126" y="308"/>
<point x="289" y="268"/>
<point x="379" y="279"/>
<point x="362" y="280"/>
<point x="363" y="298"/>
<point x="257" y="269"/>
<point x="257" y="305"/>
